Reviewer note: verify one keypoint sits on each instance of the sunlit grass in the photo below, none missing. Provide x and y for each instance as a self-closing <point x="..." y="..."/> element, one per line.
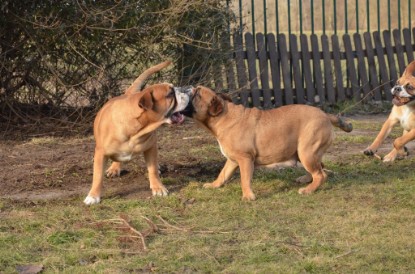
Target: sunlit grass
<point x="360" y="221"/>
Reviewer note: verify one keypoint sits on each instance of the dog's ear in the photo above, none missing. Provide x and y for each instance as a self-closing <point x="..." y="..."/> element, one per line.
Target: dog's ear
<point x="225" y="97"/>
<point x="410" y="69"/>
<point x="216" y="106"/>
<point x="146" y="101"/>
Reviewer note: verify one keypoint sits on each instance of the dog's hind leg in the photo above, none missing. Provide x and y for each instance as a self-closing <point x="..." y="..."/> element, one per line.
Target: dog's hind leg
<point x="310" y="157"/>
<point x="319" y="177"/>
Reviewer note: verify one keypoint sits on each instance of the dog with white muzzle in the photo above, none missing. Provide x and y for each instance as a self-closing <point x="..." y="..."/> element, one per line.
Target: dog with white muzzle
<point x="126" y="125"/>
<point x="403" y="112"/>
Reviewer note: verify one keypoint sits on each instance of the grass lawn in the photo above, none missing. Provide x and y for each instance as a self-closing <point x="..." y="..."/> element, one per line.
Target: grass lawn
<point x="362" y="220"/>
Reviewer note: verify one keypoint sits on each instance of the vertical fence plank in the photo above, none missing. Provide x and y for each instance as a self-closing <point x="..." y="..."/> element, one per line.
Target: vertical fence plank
<point x="275" y="69"/>
<point x="391" y="56"/>
<point x="328" y="72"/>
<point x="373" y="79"/>
<point x="307" y="72"/>
<point x="285" y="69"/>
<point x="241" y="69"/>
<point x="351" y="69"/>
<point x="382" y="66"/>
<point x="230" y="75"/>
<point x="399" y="50"/>
<point x="263" y="70"/>
<point x="408" y="45"/>
<point x="296" y="70"/>
<point x="361" y="65"/>
<point x="338" y="67"/>
<point x="252" y="74"/>
<point x="318" y="76"/>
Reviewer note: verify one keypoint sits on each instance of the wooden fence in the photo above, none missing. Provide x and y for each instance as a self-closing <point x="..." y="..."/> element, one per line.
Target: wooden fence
<point x="268" y="71"/>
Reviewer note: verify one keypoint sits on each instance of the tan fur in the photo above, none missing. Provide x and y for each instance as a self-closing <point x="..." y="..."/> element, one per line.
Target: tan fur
<point x="250" y="137"/>
<point x="124" y="126"/>
<point x="403" y="114"/>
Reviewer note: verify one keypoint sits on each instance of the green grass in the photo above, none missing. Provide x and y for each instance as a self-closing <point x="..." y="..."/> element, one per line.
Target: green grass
<point x="362" y="221"/>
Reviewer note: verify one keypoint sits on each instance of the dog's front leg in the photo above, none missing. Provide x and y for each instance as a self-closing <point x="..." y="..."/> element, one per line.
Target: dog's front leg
<point x="224" y="175"/>
<point x="384" y="132"/>
<point x="114" y="170"/>
<point x="246" y="166"/>
<point x="399" y="146"/>
<point x="94" y="195"/>
<point x="150" y="156"/>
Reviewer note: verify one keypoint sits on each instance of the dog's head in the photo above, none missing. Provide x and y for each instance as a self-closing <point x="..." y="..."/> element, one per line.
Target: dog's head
<point x="404" y="90"/>
<point x="164" y="101"/>
<point x="205" y="103"/>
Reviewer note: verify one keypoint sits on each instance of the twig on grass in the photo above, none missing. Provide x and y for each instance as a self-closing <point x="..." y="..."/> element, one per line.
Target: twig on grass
<point x="345" y="254"/>
<point x="135" y="231"/>
<point x="189" y="229"/>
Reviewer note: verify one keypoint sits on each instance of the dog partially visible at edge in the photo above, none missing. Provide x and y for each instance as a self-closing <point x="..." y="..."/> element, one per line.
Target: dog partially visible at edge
<point x="249" y="137"/>
<point x="126" y="125"/>
<point x="403" y="112"/>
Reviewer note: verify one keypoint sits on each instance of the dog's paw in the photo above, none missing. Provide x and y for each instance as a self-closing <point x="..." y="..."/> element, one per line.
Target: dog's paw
<point x="389" y="158"/>
<point x="90" y="200"/>
<point x="304" y="191"/>
<point x="210" y="185"/>
<point x="113" y="172"/>
<point x="369" y="152"/>
<point x="248" y="197"/>
<point x="160" y="191"/>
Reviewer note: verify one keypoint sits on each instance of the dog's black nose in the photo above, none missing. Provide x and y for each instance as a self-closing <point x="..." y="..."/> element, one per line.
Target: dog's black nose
<point x="396" y="89"/>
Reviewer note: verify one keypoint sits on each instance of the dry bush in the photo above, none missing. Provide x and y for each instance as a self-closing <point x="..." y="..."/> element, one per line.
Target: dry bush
<point x="64" y="59"/>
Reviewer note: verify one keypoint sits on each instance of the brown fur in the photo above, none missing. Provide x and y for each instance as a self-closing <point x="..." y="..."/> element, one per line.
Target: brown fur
<point x="250" y="137"/>
<point x="125" y="125"/>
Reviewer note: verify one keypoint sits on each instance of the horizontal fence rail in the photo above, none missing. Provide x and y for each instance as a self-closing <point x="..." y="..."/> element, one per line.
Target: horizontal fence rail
<point x="271" y="70"/>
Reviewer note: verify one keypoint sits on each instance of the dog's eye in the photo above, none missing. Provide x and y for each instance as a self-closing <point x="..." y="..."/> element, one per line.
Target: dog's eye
<point x="409" y="87"/>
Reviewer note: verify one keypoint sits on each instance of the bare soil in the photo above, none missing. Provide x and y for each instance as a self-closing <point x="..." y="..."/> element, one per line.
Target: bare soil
<point x="50" y="168"/>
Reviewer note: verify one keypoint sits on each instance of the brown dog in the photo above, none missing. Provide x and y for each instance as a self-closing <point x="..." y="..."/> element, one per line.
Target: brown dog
<point x="403" y="112"/>
<point x="125" y="125"/>
<point x="250" y="137"/>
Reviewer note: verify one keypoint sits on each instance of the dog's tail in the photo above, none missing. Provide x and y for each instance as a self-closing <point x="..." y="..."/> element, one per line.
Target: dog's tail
<point x="138" y="83"/>
<point x="338" y="122"/>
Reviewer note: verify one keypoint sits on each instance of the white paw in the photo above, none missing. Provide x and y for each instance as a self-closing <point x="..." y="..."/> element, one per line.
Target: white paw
<point x="389" y="158"/>
<point x="89" y="200"/>
<point x="161" y="191"/>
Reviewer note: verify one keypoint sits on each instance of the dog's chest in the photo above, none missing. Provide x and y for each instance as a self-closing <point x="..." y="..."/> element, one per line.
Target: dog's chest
<point x="407" y="119"/>
<point x="222" y="150"/>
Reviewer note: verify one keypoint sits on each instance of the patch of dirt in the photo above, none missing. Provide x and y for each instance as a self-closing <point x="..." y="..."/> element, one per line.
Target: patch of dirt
<point x="50" y="168"/>
<point x="61" y="168"/>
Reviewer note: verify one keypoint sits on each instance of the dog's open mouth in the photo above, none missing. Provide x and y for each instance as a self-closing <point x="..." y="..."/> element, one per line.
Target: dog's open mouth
<point x="400" y="101"/>
<point x="177" y="118"/>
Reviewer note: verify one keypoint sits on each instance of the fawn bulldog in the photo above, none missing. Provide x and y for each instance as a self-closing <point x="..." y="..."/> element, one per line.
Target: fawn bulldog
<point x="403" y="112"/>
<point x="126" y="125"/>
<point x="249" y="137"/>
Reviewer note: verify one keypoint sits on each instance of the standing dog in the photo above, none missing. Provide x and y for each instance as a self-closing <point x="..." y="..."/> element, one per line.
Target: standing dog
<point x="250" y="137"/>
<point x="403" y="112"/>
<point x="125" y="125"/>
